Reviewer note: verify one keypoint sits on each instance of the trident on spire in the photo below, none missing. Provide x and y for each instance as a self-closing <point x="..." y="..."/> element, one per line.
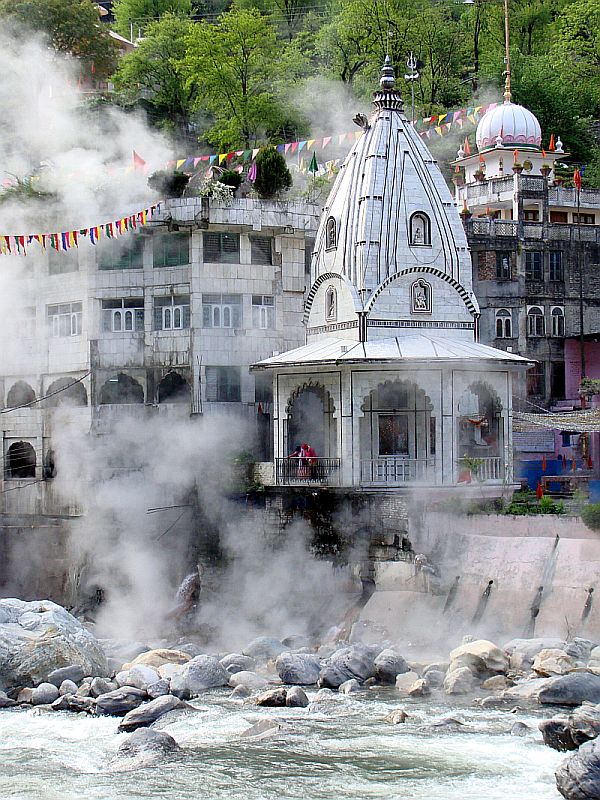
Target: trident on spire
<point x="507" y="92"/>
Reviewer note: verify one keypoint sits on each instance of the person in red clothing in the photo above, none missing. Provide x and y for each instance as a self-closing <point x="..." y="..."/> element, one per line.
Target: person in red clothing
<point x="310" y="456"/>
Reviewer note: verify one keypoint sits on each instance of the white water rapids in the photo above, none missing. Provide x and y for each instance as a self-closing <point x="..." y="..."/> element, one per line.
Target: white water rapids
<point x="338" y="748"/>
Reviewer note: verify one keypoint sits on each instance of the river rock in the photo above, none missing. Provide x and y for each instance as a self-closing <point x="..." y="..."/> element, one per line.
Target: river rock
<point x="67" y="687"/>
<point x="438" y="666"/>
<point x="235" y="662"/>
<point x="168" y="671"/>
<point x="159" y="689"/>
<point x="156" y="658"/>
<point x="405" y="680"/>
<point x="273" y="697"/>
<point x="39" y="637"/>
<point x="481" y="656"/>
<point x="240" y="692"/>
<point x="557" y="734"/>
<point x="146" y="745"/>
<point x="6" y="701"/>
<point x="578" y="777"/>
<point x="419" y="688"/>
<point x="522" y="652"/>
<point x="527" y="691"/>
<point x="120" y="701"/>
<point x="355" y="661"/>
<point x="25" y="695"/>
<point x="264" y="648"/>
<point x="148" y="713"/>
<point x="298" y="642"/>
<point x="584" y="723"/>
<point x="571" y="690"/>
<point x="434" y="678"/>
<point x="579" y="649"/>
<point x="298" y="668"/>
<point x="263" y="728"/>
<point x="388" y="665"/>
<point x="139" y="676"/>
<point x="496" y="683"/>
<point x="200" y="673"/>
<point x="520" y="729"/>
<point x="460" y="681"/>
<point x="44" y="694"/>
<point x="73" y="673"/>
<point x="296" y="697"/>
<point x="249" y="679"/>
<point x="550" y="662"/>
<point x="85" y="689"/>
<point x="100" y="686"/>
<point x="70" y="702"/>
<point x="396" y="717"/>
<point x="349" y="687"/>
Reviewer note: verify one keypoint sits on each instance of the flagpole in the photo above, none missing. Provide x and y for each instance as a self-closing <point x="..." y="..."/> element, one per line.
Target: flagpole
<point x="580" y="258"/>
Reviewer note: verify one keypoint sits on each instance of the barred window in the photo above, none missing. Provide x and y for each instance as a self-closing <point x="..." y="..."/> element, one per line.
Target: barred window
<point x="534" y="268"/>
<point x="221" y="310"/>
<point x="536" y="325"/>
<point x="222" y="247"/>
<point x="263" y="311"/>
<point x="557" y="272"/>
<point x="171" y="313"/>
<point x="122" y="253"/>
<point x="171" y="249"/>
<point x="223" y="384"/>
<point x="503" y="270"/>
<point x="536" y="379"/>
<point x="261" y="249"/>
<point x="126" y="314"/>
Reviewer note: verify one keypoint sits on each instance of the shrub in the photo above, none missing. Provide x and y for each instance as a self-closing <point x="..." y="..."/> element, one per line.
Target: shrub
<point x="272" y="174"/>
<point x="168" y="183"/>
<point x="590" y="515"/>
<point x="231" y="178"/>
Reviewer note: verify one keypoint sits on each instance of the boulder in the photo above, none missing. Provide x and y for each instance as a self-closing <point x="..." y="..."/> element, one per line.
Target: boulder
<point x="6" y="701"/>
<point x="39" y="637"/>
<point x="481" y="656"/>
<point x="159" y="689"/>
<point x="527" y="691"/>
<point x="263" y="728"/>
<point x="571" y="690"/>
<point x="145" y="741"/>
<point x="297" y="642"/>
<point x="200" y="673"/>
<point x="349" y="687"/>
<point x="85" y="689"/>
<point x="396" y="717"/>
<point x="68" y="687"/>
<point x="406" y="680"/>
<point x="438" y="666"/>
<point x="584" y="723"/>
<point x="240" y="692"/>
<point x="355" y="661"/>
<point x="496" y="683"/>
<point x="156" y="658"/>
<point x="120" y="701"/>
<point x="25" y="695"/>
<point x="148" y="713"/>
<point x="100" y="686"/>
<point x="434" y="678"/>
<point x="578" y="777"/>
<point x="139" y="676"/>
<point x="298" y="668"/>
<point x="235" y="662"/>
<point x="72" y="673"/>
<point x="520" y="729"/>
<point x="388" y="665"/>
<point x="522" y="652"/>
<point x="249" y="679"/>
<point x="273" y="697"/>
<point x="168" y="671"/>
<point x="557" y="734"/>
<point x="296" y="697"/>
<point x="264" y="648"/>
<point x="550" y="662"/>
<point x="419" y="688"/>
<point x="579" y="649"/>
<point x="70" y="702"/>
<point x="44" y="694"/>
<point x="460" y="681"/>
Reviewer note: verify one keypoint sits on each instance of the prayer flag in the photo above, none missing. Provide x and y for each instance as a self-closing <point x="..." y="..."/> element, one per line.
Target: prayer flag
<point x="252" y="172"/>
<point x="138" y="162"/>
<point x="577" y="180"/>
<point x="551" y="145"/>
<point x="313" y="166"/>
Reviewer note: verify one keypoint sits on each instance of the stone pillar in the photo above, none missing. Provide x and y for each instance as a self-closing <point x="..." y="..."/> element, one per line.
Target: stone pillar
<point x="448" y="438"/>
<point x="348" y="450"/>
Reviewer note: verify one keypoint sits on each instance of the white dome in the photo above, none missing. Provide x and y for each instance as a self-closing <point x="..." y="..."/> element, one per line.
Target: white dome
<point x="517" y="126"/>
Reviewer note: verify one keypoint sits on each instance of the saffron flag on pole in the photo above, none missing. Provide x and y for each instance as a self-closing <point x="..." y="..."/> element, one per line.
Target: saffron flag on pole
<point x="577" y="180"/>
<point x="138" y="162"/>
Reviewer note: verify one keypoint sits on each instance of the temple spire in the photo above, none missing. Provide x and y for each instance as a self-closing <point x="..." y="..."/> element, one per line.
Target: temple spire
<point x="507" y="92"/>
<point x="388" y="96"/>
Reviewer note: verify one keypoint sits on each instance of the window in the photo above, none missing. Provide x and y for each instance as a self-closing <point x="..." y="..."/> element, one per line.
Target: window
<point x="559" y="217"/>
<point x="263" y="311"/>
<point x="20" y="461"/>
<point x="557" y="315"/>
<point x="534" y="270"/>
<point x="65" y="319"/>
<point x="531" y="215"/>
<point x="221" y="248"/>
<point x="223" y="385"/>
<point x="331" y="304"/>
<point x="123" y="315"/>
<point x="557" y="272"/>
<point x="171" y="313"/>
<point x="584" y="219"/>
<point x="61" y="262"/>
<point x="222" y="310"/>
<point x="557" y="380"/>
<point x="536" y="380"/>
<point x="261" y="249"/>
<point x="171" y="249"/>
<point x="535" y="321"/>
<point x="125" y="253"/>
<point x="420" y="229"/>
<point x="393" y="434"/>
<point x="503" y="268"/>
<point x="308" y="251"/>
<point x="331" y="234"/>
<point x="503" y="324"/>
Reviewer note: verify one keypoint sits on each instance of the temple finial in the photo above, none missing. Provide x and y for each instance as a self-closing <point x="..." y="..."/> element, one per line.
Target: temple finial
<point x="507" y="92"/>
<point x="387" y="79"/>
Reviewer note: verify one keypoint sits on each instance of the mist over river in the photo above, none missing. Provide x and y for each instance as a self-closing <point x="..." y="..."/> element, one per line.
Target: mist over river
<point x="339" y="747"/>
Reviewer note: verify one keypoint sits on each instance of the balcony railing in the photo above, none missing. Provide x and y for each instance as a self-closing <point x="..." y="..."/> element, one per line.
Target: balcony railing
<point x="296" y="471"/>
<point x="489" y="469"/>
<point x="397" y="471"/>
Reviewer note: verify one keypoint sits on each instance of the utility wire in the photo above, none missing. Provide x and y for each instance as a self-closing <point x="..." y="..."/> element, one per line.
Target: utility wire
<point x="46" y="396"/>
<point x="170" y="528"/>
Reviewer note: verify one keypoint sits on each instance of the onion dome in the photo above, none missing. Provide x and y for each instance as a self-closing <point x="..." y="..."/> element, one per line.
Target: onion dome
<point x="511" y="125"/>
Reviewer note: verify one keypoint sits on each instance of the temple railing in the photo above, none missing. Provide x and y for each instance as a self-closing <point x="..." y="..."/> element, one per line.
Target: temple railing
<point x="301" y="471"/>
<point x="397" y="471"/>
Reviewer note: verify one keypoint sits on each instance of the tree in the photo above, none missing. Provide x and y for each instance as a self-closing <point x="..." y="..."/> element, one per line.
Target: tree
<point x="153" y="72"/>
<point x="272" y="174"/>
<point x="576" y="48"/>
<point x="72" y="26"/>
<point x="141" y="13"/>
<point x="233" y="68"/>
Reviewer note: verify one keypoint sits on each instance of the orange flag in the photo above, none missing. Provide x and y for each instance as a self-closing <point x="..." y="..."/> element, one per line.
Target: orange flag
<point x="539" y="492"/>
<point x="551" y="145"/>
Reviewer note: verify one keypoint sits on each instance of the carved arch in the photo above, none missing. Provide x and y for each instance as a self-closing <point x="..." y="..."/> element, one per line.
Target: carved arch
<point x="309" y="386"/>
<point x="329" y="276"/>
<point x="462" y="292"/>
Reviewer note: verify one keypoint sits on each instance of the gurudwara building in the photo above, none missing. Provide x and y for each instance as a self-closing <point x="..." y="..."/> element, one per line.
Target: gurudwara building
<point x="392" y="387"/>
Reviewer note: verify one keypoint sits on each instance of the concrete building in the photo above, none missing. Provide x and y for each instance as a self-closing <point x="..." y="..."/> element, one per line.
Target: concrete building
<point x="392" y="388"/>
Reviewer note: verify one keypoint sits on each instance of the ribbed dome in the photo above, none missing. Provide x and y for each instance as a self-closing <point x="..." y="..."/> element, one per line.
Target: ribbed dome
<point x="517" y="126"/>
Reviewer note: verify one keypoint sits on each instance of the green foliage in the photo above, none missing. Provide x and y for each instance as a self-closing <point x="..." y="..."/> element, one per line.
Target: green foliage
<point x="71" y="26"/>
<point x="589" y="387"/>
<point x="525" y="503"/>
<point x="145" y="12"/>
<point x="272" y="174"/>
<point x="231" y="178"/>
<point x="25" y="189"/>
<point x="168" y="183"/>
<point x="590" y="515"/>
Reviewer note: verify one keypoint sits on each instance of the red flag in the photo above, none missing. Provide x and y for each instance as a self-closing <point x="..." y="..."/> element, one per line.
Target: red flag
<point x="564" y="462"/>
<point x="138" y="161"/>
<point x="577" y="180"/>
<point x="516" y="155"/>
<point x="590" y="463"/>
<point x="467" y="147"/>
<point x="544" y="465"/>
<point x="539" y="492"/>
<point x="573" y="464"/>
<point x="481" y="159"/>
<point x="551" y="145"/>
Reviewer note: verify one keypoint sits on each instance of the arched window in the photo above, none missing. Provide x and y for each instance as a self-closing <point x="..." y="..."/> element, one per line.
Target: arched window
<point x="557" y="315"/>
<point x="331" y="304"/>
<point x="503" y="324"/>
<point x="20" y="394"/>
<point x="121" y="388"/>
<point x="536" y="325"/>
<point x="420" y="229"/>
<point x="331" y="234"/>
<point x="20" y="461"/>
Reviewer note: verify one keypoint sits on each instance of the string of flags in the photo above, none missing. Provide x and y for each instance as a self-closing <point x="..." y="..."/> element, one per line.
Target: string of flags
<point x="65" y="240"/>
<point x="438" y="124"/>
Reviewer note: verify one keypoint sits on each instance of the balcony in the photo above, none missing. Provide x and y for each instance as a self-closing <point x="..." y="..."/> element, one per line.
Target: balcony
<point x="397" y="471"/>
<point x="489" y="470"/>
<point x="321" y="472"/>
<point x="559" y="196"/>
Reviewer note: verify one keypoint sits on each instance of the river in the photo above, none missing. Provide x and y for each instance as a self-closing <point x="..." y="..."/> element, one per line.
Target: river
<point x="337" y="748"/>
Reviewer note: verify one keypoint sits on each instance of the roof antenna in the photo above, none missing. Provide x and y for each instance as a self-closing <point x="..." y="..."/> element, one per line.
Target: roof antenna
<point x="507" y="92"/>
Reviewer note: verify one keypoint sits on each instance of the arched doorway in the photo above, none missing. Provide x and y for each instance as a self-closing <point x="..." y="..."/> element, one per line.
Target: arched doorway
<point x="121" y="389"/>
<point x="173" y="388"/>
<point x="397" y="435"/>
<point x="20" y="460"/>
<point x="310" y="419"/>
<point x="480" y="434"/>
<point x="66" y="392"/>
<point x="20" y="394"/>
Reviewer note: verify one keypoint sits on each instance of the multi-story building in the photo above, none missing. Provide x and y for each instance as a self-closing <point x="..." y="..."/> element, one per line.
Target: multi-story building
<point x="164" y="322"/>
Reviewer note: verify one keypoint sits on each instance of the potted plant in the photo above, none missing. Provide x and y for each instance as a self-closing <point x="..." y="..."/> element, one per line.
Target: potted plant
<point x="589" y="388"/>
<point x="517" y="168"/>
<point x="480" y="175"/>
<point x="527" y="165"/>
<point x="545" y="169"/>
<point x="169" y="183"/>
